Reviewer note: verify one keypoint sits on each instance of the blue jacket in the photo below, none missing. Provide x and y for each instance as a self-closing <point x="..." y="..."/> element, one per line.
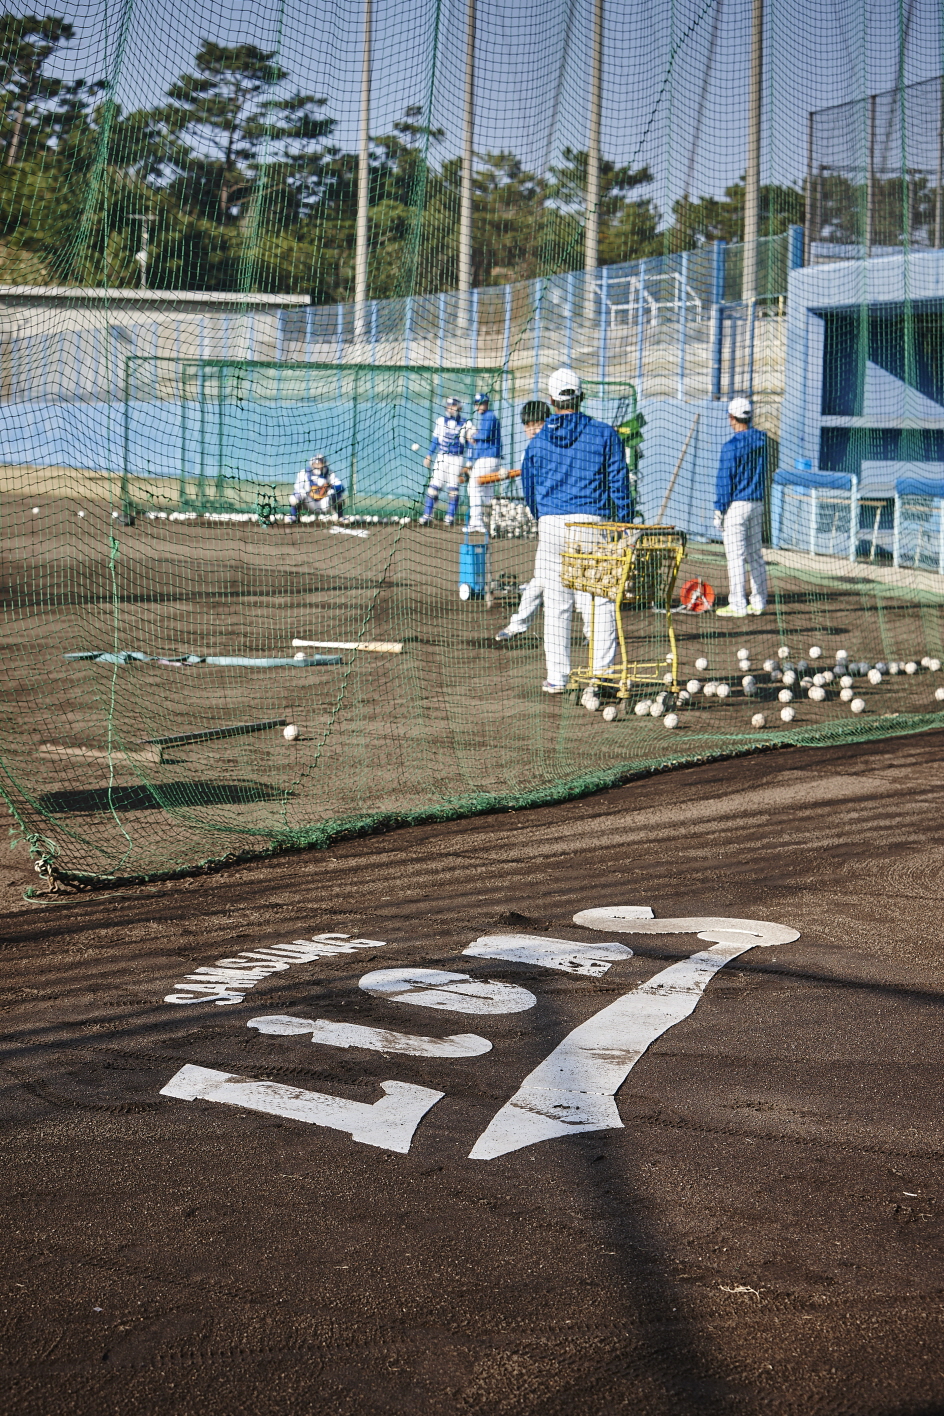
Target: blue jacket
<point x="487" y="438"/>
<point x="576" y="466"/>
<point x="742" y="470"/>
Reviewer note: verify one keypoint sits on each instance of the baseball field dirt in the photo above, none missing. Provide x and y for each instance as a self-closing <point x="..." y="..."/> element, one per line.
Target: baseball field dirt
<point x="762" y="1234"/>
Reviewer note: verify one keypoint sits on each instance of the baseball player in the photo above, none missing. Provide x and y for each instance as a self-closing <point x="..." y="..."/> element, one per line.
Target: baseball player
<point x="574" y="469"/>
<point x="534" y="415"/>
<point x="317" y="489"/>
<point x="739" y="510"/>
<point x="485" y="451"/>
<point x="447" y="456"/>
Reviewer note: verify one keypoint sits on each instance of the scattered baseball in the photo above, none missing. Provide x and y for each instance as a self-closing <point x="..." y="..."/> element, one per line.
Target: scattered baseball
<point x="758" y="721"/>
<point x="846" y="681"/>
<point x="789" y="678"/>
<point x="290" y="733"/>
<point x="785" y="696"/>
<point x="819" y="680"/>
<point x="683" y="696"/>
<point x="744" y="653"/>
<point x="610" y="713"/>
<point x="657" y="709"/>
<point x="939" y="694"/>
<point x="841" y="654"/>
<point x="415" y="447"/>
<point x="847" y="694"/>
<point x="710" y="690"/>
<point x="783" y="652"/>
<point x="788" y="714"/>
<point x="925" y="662"/>
<point x="828" y="676"/>
<point x="934" y="665"/>
<point x="911" y="668"/>
<point x="701" y="665"/>
<point x="723" y="690"/>
<point x="36" y="511"/>
<point x="816" y="652"/>
<point x="667" y="678"/>
<point x="857" y="705"/>
<point x="642" y="708"/>
<point x="300" y="654"/>
<point x="748" y="683"/>
<point x="817" y="694"/>
<point x="875" y="676"/>
<point x="769" y="665"/>
<point x="671" y="720"/>
<point x="693" y="686"/>
<point x="81" y="513"/>
<point x="894" y="667"/>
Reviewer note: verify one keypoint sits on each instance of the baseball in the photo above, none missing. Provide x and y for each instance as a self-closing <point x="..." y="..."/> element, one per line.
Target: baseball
<point x="748" y="683"/>
<point x="610" y="713"/>
<point x="783" y="652"/>
<point x="642" y="708"/>
<point x="785" y="696"/>
<point x="789" y="677"/>
<point x="939" y="694"/>
<point x="769" y="665"/>
<point x="841" y="654"/>
<point x="744" y="653"/>
<point x="758" y="721"/>
<point x="701" y="665"/>
<point x="300" y="654"/>
<point x="693" y="686"/>
<point x="874" y="676"/>
<point x="911" y="668"/>
<point x="817" y="694"/>
<point x="415" y="447"/>
<point x="819" y="680"/>
<point x="934" y="665"/>
<point x="710" y="690"/>
<point x="36" y="511"/>
<point x="657" y="709"/>
<point x="723" y="690"/>
<point x="788" y="714"/>
<point x="857" y="705"/>
<point x="671" y="720"/>
<point x="846" y="681"/>
<point x="290" y="733"/>
<point x="816" y="652"/>
<point x="846" y="695"/>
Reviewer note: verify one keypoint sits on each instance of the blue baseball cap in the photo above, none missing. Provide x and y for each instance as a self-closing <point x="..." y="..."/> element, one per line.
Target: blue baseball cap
<point x="482" y="398"/>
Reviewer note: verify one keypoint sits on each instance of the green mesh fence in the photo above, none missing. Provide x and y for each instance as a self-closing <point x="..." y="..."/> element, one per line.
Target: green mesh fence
<point x="231" y="243"/>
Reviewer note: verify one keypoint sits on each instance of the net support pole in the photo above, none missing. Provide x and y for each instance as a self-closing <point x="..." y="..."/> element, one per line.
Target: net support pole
<point x="870" y="181"/>
<point x="468" y="141"/>
<point x="939" y="192"/>
<point x="604" y="313"/>
<point x="641" y="328"/>
<point x="718" y="254"/>
<point x="591" y="248"/>
<point x="362" y="241"/>
<point x="752" y="175"/>
<point x="682" y="326"/>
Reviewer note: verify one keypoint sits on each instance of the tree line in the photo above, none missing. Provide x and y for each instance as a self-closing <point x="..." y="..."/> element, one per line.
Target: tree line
<point x="243" y="186"/>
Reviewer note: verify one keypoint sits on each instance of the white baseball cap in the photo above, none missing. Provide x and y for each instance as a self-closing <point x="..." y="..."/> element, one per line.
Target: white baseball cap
<point x="564" y="385"/>
<point x="740" y="408"/>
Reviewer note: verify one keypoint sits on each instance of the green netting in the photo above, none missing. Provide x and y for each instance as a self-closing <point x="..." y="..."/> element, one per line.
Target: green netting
<point x="231" y="242"/>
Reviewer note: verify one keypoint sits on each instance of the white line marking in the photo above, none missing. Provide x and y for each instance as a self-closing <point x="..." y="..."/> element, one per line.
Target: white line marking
<point x="389" y="1123"/>
<point x="374" y="1039"/>
<point x="574" y="1088"/>
<point x="452" y="992"/>
<point x="228" y="980"/>
<point x="592" y="960"/>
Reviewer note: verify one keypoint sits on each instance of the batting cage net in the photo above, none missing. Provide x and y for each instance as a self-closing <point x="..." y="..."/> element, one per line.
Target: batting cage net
<point x="281" y="293"/>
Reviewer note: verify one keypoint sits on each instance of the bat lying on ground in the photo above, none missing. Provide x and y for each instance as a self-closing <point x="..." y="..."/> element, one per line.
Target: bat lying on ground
<point x="366" y="646"/>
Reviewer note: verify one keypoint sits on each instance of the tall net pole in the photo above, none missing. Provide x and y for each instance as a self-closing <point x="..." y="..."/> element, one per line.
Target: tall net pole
<point x="752" y="175"/>
<point x="363" y="177"/>
<point x="468" y="139"/>
<point x="592" y="218"/>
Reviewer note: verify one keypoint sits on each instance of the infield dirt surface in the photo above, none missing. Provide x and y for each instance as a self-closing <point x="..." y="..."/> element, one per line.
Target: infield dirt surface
<point x="764" y="1235"/>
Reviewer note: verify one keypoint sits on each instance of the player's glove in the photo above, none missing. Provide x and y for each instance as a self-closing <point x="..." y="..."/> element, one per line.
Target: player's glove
<point x="719" y="520"/>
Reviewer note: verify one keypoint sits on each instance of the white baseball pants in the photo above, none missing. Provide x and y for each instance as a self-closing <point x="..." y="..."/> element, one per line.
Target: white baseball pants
<point x="480" y="497"/>
<point x="446" y="470"/>
<point x="742" y="535"/>
<point x="532" y="598"/>
<point x="559" y="603"/>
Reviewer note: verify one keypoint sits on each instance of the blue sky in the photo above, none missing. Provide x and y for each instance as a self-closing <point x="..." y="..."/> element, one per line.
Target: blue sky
<point x="665" y="104"/>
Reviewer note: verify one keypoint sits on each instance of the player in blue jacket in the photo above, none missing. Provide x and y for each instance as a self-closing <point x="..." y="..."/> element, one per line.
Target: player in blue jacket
<point x="574" y="469"/>
<point x="739" y="510"/>
<point x="452" y="436"/>
<point x="485" y="453"/>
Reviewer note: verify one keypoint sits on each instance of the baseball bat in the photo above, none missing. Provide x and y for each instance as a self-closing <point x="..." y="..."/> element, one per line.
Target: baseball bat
<point x="498" y="476"/>
<point x="366" y="646"/>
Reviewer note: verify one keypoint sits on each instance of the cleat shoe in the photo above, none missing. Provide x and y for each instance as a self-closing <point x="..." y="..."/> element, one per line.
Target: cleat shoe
<point x="729" y="612"/>
<point x="448" y="521"/>
<point x="548" y="687"/>
<point x="423" y="521"/>
<point x="753" y="610"/>
<point x="504" y="635"/>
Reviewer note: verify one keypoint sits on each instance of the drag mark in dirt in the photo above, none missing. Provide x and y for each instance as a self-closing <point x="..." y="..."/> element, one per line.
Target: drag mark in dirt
<point x="389" y="1123"/>
<point x="574" y="1088"/>
<point x="229" y="980"/>
<point x="373" y="1039"/>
